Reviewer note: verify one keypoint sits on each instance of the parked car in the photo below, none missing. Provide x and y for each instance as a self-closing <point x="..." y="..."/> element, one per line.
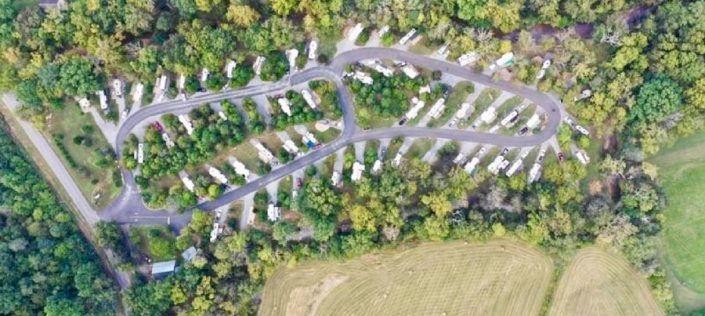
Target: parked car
<point x="523" y="130"/>
<point x="561" y="156"/>
<point x="159" y="127"/>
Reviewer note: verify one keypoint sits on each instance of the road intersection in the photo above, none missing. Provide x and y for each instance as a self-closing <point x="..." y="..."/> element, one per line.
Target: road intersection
<point x="129" y="207"/>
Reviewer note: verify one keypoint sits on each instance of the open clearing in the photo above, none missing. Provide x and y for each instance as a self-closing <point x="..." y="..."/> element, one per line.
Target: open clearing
<point x="454" y="278"/>
<point x="682" y="174"/>
<point x="599" y="283"/>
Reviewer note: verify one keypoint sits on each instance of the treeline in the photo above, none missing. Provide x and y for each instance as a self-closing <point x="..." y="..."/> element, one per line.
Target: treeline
<point x="412" y="203"/>
<point x="46" y="265"/>
<point x="651" y="86"/>
<point x="53" y="55"/>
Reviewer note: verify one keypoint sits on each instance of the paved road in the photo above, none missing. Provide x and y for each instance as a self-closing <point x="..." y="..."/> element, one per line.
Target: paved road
<point x="129" y="207"/>
<point x="57" y="167"/>
<point x="62" y="174"/>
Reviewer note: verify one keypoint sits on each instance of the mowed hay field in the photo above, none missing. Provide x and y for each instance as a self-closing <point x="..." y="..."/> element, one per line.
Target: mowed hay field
<point x="454" y="278"/>
<point x="597" y="282"/>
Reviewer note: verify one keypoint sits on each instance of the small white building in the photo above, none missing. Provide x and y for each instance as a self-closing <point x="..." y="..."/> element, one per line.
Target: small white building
<point x="291" y="55"/>
<point x="137" y="93"/>
<point x="186" y="122"/>
<point x="582" y="156"/>
<point x="273" y="213"/>
<point x="377" y="166"/>
<point x="181" y="83"/>
<point x="497" y="164"/>
<point x="189" y="254"/>
<point x="204" y="74"/>
<point x="410" y="71"/>
<point x="508" y="120"/>
<point x="312" y="50"/>
<point x="459" y="159"/>
<point x="534" y="173"/>
<point x="308" y="97"/>
<point x="336" y="178"/>
<point x="309" y="139"/>
<point x="407" y="37"/>
<point x="290" y="147"/>
<point x="363" y="77"/>
<point x="470" y="166"/>
<point x="217" y="230"/>
<point x="584" y="95"/>
<point x="425" y="89"/>
<point x="188" y="184"/>
<point x="229" y="68"/>
<point x="264" y="154"/>
<point x="103" y="100"/>
<point x="437" y="108"/>
<point x="355" y="31"/>
<point x="489" y="115"/>
<point x="217" y="175"/>
<point x="443" y="51"/>
<point x="383" y="30"/>
<point x="84" y="104"/>
<point x="414" y="111"/>
<point x="167" y="140"/>
<point x="117" y="88"/>
<point x="140" y="153"/>
<point x="239" y="168"/>
<point x="257" y="66"/>
<point x="285" y="105"/>
<point x="533" y="121"/>
<point x="582" y="130"/>
<point x="162" y="83"/>
<point x="542" y="71"/>
<point x="468" y="58"/>
<point x="506" y="60"/>
<point x="164" y="268"/>
<point x="397" y="160"/>
<point x="384" y="70"/>
<point x="465" y="110"/>
<point x="517" y="164"/>
<point x="357" y="170"/>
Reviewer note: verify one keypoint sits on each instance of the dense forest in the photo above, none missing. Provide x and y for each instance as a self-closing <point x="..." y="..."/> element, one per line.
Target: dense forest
<point x="46" y="265"/>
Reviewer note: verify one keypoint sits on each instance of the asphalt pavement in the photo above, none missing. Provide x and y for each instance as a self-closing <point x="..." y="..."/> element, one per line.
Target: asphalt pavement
<point x="129" y="206"/>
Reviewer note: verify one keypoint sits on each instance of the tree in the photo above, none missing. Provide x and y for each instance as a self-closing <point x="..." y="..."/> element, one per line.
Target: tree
<point x="109" y="235"/>
<point x="657" y="98"/>
<point x="283" y="7"/>
<point x="282" y="230"/>
<point x="242" y="15"/>
<point x="78" y="77"/>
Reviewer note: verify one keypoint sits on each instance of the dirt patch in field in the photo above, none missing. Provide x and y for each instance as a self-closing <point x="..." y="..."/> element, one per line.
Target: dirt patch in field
<point x="305" y="300"/>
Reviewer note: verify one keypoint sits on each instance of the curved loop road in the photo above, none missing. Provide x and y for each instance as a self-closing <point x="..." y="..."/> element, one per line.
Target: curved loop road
<point x="129" y="207"/>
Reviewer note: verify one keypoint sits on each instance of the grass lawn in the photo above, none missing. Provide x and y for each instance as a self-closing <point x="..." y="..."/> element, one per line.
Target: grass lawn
<point x="509" y="105"/>
<point x="682" y="174"/>
<point x="21" y="4"/>
<point x="453" y="278"/>
<point x="247" y="154"/>
<point x="486" y="97"/>
<point x="461" y="91"/>
<point x="420" y="147"/>
<point x="155" y="241"/>
<point x="91" y="179"/>
<point x="422" y="47"/>
<point x="367" y="119"/>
